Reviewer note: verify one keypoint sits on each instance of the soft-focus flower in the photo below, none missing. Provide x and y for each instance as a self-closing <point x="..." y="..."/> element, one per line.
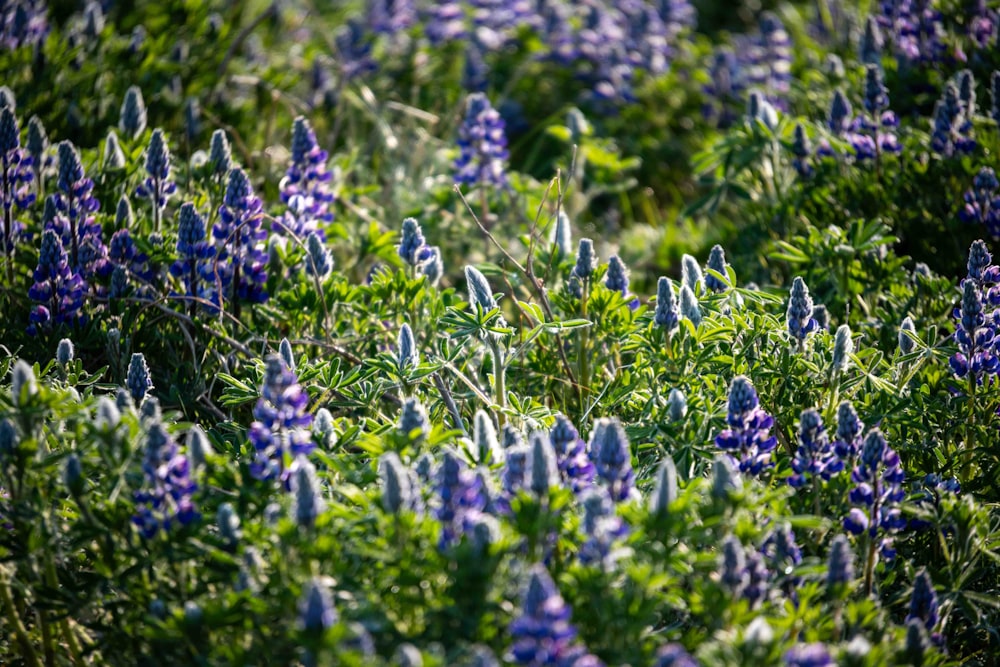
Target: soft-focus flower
<point x="542" y="633"/>
<point x="982" y="202"/>
<point x="612" y="456"/>
<point x="576" y="470"/>
<point x="316" y="611"/>
<point x="16" y="176"/>
<point x="667" y="314"/>
<point x="132" y="120"/>
<point x="460" y="499"/>
<point x="280" y="432"/>
<point x="166" y="499"/>
<point x="482" y="142"/>
<point x="809" y="655"/>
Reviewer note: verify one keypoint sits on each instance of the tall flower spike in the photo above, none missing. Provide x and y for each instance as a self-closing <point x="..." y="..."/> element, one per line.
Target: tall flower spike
<point x="74" y="205"/>
<point x="241" y="258"/>
<point x="814" y="457"/>
<point x="982" y="202"/>
<point x="138" y="381"/>
<point x="307" y="176"/>
<point x="616" y="279"/>
<point x="843" y="346"/>
<point x="132" y="121"/>
<point x="676" y="405"/>
<point x="799" y="314"/>
<point x="544" y="468"/>
<point x="57" y="290"/>
<point x="717" y="263"/>
<point x="691" y="275"/>
<point x="667" y="314"/>
<point x="280" y="432"/>
<point x="878" y="477"/>
<point x="309" y="503"/>
<point x="460" y="496"/>
<point x="575" y="467"/>
<point x="923" y="601"/>
<point x="802" y="150"/>
<point x="167" y="497"/>
<point x="220" y="157"/>
<point x="480" y="293"/>
<point x="840" y="564"/>
<point x="542" y="633"/>
<point x="690" y="310"/>
<point x="612" y="456"/>
<point x="849" y="428"/>
<point x="411" y="241"/>
<point x="748" y="439"/>
<point x="114" y="155"/>
<point x="482" y="143"/>
<point x="906" y="344"/>
<point x="484" y="437"/>
<point x="157" y="187"/>
<point x="318" y="261"/>
<point x="407" y="355"/>
<point x="412" y="418"/>
<point x="397" y="488"/>
<point x="839" y="117"/>
<point x="193" y="266"/>
<point x="16" y="176"/>
<point x="562" y="235"/>
<point x="316" y="611"/>
<point x="870" y="47"/>
<point x="665" y="491"/>
<point x="586" y="260"/>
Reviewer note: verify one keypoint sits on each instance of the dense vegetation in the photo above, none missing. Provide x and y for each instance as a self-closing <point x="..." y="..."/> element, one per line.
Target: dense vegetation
<point x="491" y="332"/>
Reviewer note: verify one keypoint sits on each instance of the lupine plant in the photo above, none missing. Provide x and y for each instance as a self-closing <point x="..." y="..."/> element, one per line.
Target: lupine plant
<point x="296" y="394"/>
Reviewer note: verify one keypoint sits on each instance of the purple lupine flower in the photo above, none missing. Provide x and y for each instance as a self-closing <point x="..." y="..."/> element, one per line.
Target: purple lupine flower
<point x="799" y="313"/>
<point x="23" y="23"/>
<point x="839" y="116"/>
<point x="483" y="145"/>
<point x="281" y="430"/>
<point x="717" y="263"/>
<point x="975" y="334"/>
<point x="241" y="260"/>
<point x="602" y="527"/>
<point x="617" y="280"/>
<point x="194" y="266"/>
<point x="611" y="453"/>
<point x="542" y="633"/>
<point x="667" y="314"/>
<point x="444" y="21"/>
<point x="575" y="468"/>
<point x="16" y="176"/>
<point x="726" y="89"/>
<point x="388" y="17"/>
<point x="138" y="380"/>
<point x="950" y="134"/>
<point x="74" y="206"/>
<point x="157" y="186"/>
<point x="674" y="655"/>
<point x="814" y="457"/>
<point x="878" y="477"/>
<point x="411" y="241"/>
<point x="733" y="574"/>
<point x="307" y="178"/>
<point x="982" y="202"/>
<point x="802" y="150"/>
<point x="354" y="50"/>
<point x="840" y="563"/>
<point x="398" y="487"/>
<point x="782" y="554"/>
<point x="769" y="60"/>
<point x="923" y="601"/>
<point x="514" y="477"/>
<point x="915" y="29"/>
<point x="460" y="499"/>
<point x="847" y="446"/>
<point x="316" y="611"/>
<point x="747" y="440"/>
<point x="809" y="655"/>
<point x="58" y="290"/>
<point x="166" y="498"/>
<point x="123" y="253"/>
<point x="983" y="25"/>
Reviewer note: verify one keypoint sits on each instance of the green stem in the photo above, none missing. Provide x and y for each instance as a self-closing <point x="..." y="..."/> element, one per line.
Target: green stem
<point x="970" y="430"/>
<point x="499" y="385"/>
<point x="14" y="619"/>
<point x="583" y="360"/>
<point x="870" y="559"/>
<point x="71" y="641"/>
